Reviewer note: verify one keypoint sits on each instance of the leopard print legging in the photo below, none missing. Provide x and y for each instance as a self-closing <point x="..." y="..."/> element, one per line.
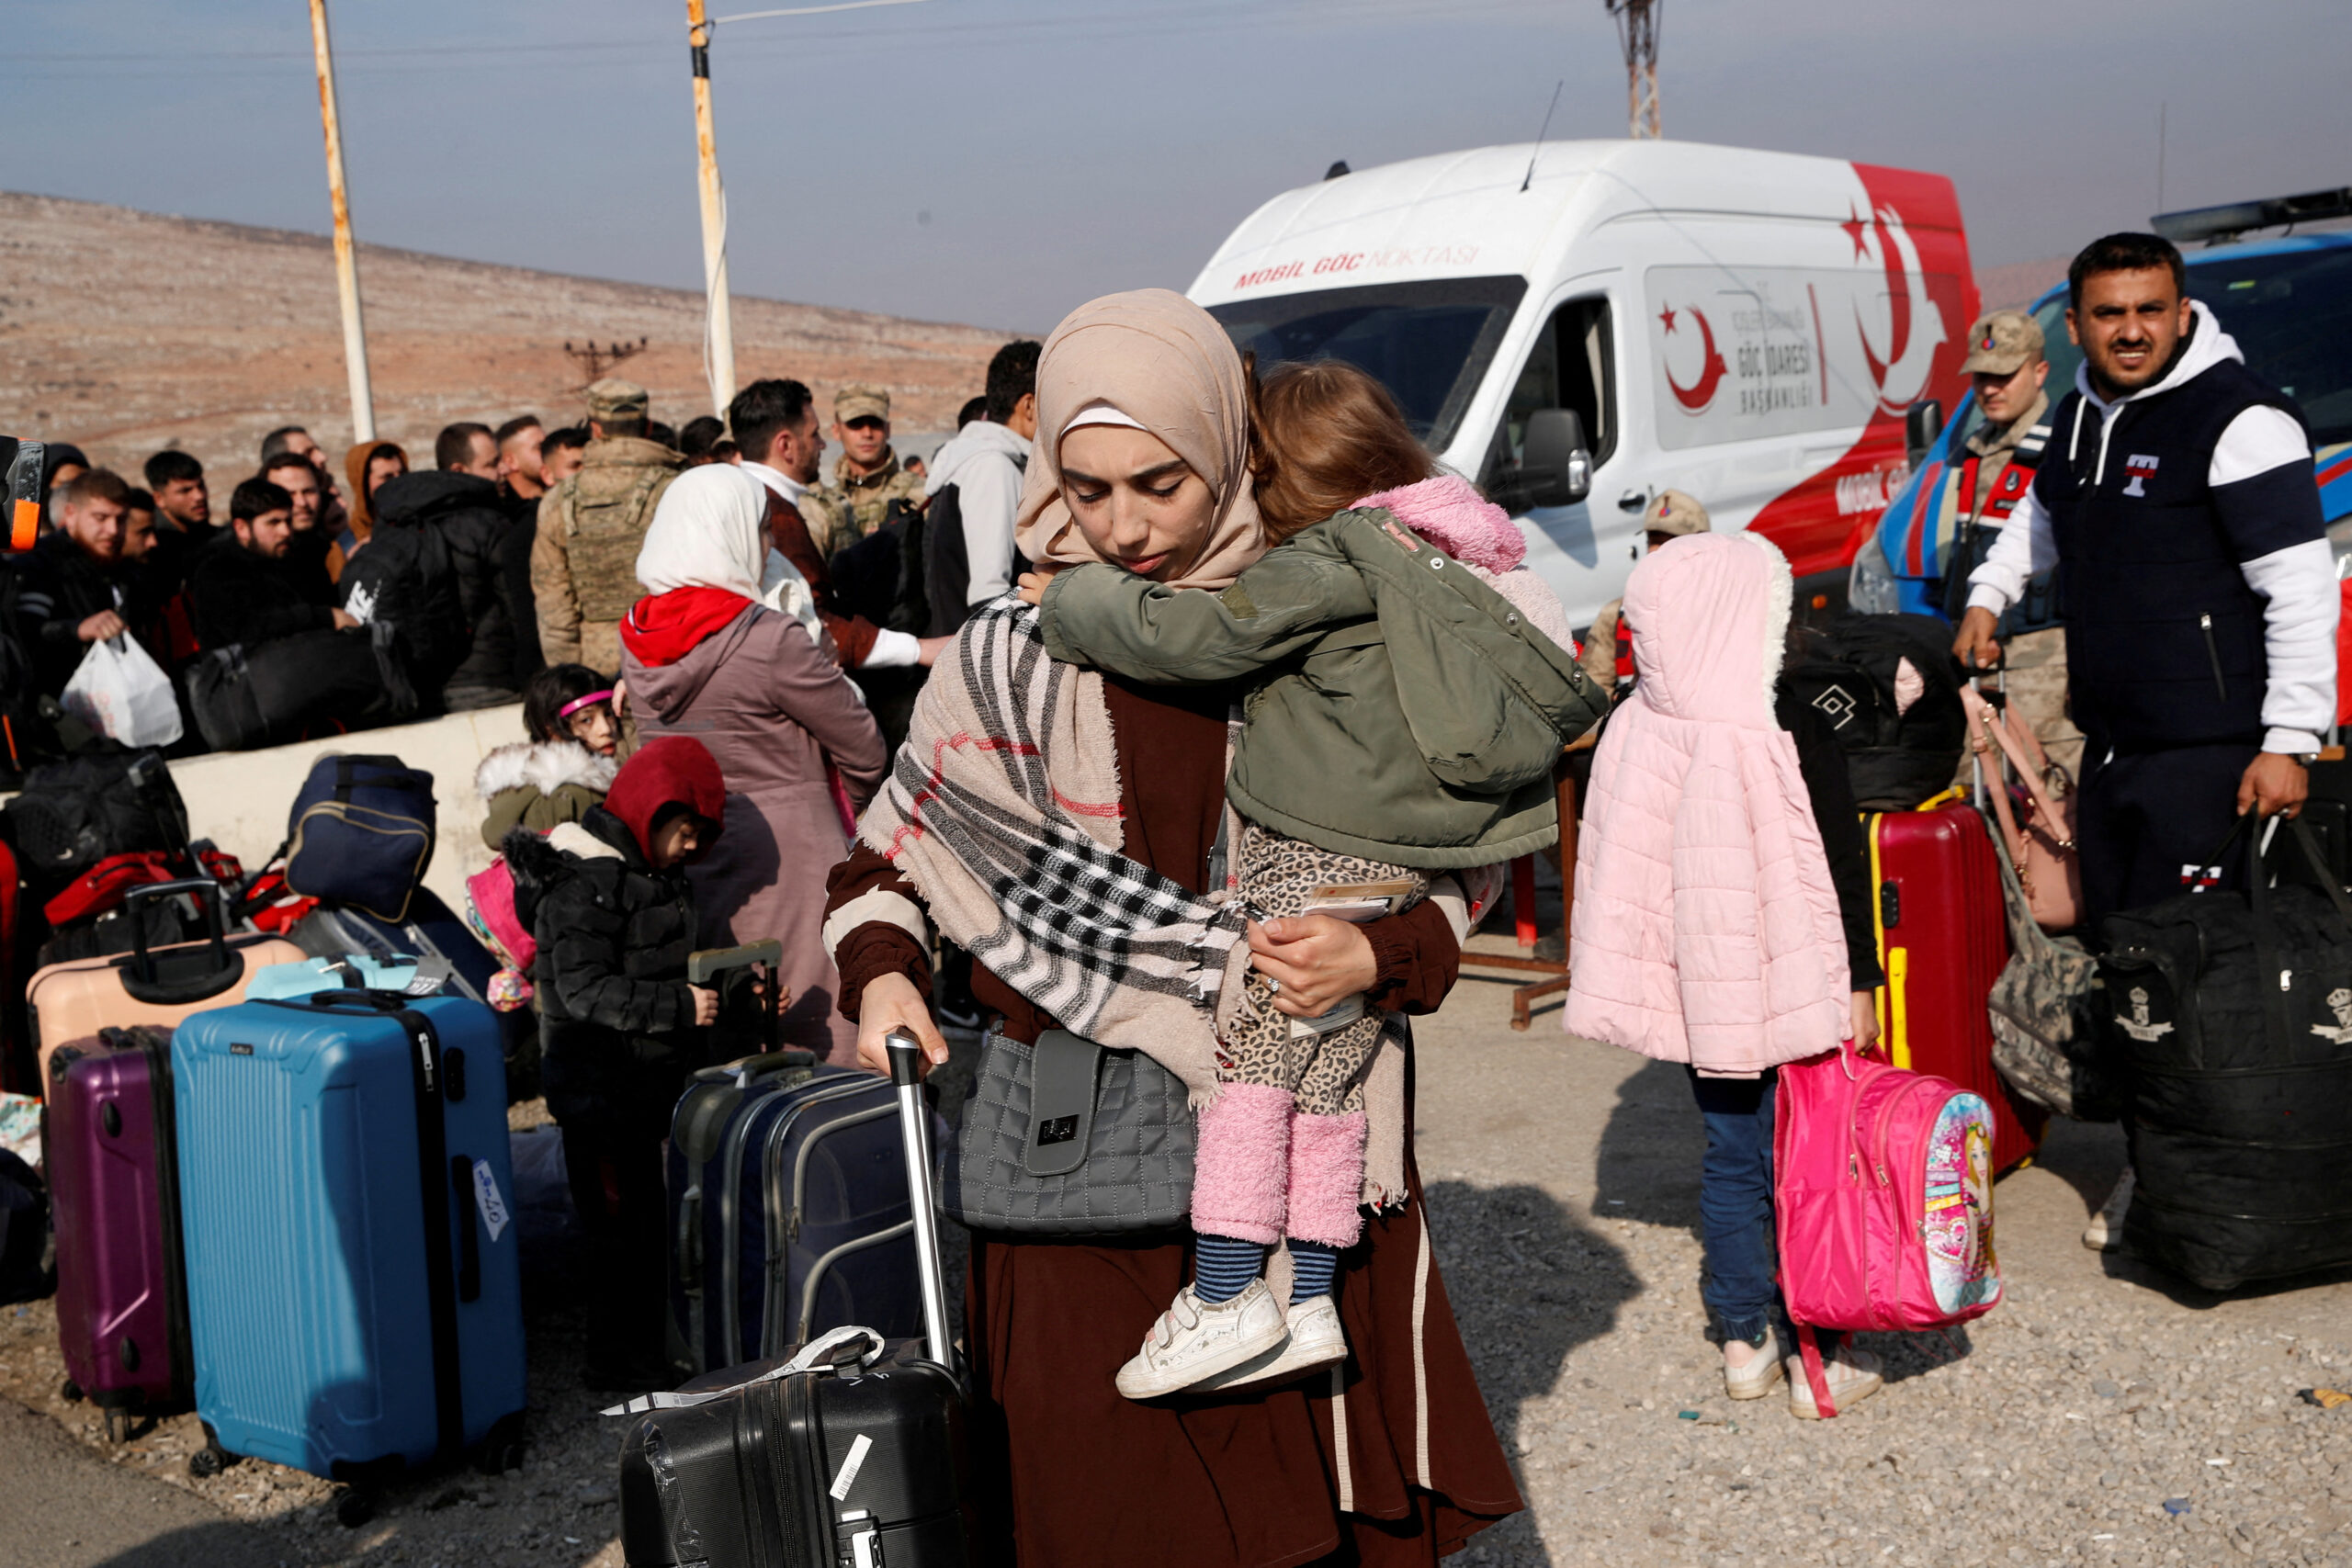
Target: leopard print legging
<point x="1278" y="875"/>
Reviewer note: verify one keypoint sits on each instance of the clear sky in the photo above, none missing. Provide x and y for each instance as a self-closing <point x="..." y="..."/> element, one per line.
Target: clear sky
<point x="997" y="161"/>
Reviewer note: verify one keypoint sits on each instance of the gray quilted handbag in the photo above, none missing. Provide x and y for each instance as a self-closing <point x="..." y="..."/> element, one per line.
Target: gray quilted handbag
<point x="1065" y="1138"/>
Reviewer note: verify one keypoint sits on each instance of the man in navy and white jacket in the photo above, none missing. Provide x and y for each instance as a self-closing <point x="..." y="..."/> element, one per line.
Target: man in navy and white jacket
<point x="2177" y="498"/>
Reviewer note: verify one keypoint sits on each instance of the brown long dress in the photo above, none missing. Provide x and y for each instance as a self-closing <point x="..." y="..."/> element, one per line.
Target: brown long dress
<point x="1392" y="1461"/>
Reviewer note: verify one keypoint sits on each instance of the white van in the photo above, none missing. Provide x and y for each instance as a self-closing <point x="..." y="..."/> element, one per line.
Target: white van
<point x="1749" y="327"/>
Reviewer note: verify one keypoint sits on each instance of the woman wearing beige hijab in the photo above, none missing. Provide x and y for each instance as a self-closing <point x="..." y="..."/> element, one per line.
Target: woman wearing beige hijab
<point x="1018" y="764"/>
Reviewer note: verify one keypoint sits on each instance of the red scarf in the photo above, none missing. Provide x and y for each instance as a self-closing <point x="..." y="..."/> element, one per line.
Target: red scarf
<point x="664" y="627"/>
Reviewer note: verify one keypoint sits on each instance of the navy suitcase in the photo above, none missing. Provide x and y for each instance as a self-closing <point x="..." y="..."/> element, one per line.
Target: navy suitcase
<point x="788" y="1210"/>
<point x="354" y="1270"/>
<point x="848" y="1450"/>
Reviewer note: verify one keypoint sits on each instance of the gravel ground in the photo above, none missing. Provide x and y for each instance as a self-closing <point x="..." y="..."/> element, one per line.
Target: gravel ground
<point x="2102" y="1414"/>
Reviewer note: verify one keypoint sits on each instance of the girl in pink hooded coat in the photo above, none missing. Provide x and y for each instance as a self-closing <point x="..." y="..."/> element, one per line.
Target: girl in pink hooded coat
<point x="1722" y="916"/>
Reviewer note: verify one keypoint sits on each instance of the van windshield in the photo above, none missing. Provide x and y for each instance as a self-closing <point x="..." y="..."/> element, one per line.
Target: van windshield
<point x="2291" y="315"/>
<point x="1429" y="343"/>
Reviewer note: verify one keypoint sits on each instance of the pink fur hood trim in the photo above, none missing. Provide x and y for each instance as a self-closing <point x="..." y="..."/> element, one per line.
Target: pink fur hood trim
<point x="1449" y="512"/>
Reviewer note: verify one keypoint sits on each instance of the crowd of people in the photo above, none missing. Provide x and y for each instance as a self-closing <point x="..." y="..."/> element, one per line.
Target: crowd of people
<point x="1178" y="598"/>
<point x="336" y="599"/>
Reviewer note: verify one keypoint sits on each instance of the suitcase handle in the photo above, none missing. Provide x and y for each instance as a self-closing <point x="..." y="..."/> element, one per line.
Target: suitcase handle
<point x="344" y="999"/>
<point x="143" y="977"/>
<point x="204" y="891"/>
<point x="915" y="1129"/>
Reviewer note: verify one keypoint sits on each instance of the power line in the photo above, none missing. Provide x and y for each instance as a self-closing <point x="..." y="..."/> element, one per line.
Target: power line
<point x="1094" y="27"/>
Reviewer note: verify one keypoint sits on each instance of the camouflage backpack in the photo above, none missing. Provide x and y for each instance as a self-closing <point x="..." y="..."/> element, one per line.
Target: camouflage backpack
<point x="2049" y="1015"/>
<point x="610" y="507"/>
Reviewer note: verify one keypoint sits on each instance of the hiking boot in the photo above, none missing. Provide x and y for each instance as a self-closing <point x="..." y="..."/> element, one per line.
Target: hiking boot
<point x="1194" y="1340"/>
<point x="1852" y="1376"/>
<point x="2105" y="1232"/>
<point x="1315" y="1341"/>
<point x="1755" y="1380"/>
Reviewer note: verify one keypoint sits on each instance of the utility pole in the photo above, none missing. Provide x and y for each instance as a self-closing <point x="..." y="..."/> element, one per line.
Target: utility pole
<point x="346" y="258"/>
<point x="718" y="314"/>
<point x="1637" y="35"/>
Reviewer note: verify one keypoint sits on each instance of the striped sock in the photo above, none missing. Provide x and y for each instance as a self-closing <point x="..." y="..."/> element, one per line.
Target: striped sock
<point x="1223" y="1266"/>
<point x="1313" y="1266"/>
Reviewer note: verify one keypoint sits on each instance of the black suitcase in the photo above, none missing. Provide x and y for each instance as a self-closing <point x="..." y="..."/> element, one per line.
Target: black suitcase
<point x="851" y="1452"/>
<point x="2232" y="1020"/>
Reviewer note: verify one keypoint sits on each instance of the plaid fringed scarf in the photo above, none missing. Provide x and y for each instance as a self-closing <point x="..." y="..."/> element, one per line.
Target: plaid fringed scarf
<point x="1002" y="809"/>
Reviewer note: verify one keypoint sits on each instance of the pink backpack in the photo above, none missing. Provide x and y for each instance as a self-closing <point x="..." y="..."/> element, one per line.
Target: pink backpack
<point x="1883" y="1201"/>
<point x="490" y="910"/>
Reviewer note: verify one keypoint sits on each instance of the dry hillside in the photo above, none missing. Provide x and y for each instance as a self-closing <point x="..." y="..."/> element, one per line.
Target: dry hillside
<point x="126" y="332"/>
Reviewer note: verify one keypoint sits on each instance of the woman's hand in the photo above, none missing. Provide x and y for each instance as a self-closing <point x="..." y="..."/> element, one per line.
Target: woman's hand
<point x="1314" y="960"/>
<point x="1865" y="1023"/>
<point x="706" y="1005"/>
<point x="888" y="1003"/>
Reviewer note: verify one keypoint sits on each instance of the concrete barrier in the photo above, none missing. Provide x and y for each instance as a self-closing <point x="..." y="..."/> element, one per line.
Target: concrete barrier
<point x="240" y="800"/>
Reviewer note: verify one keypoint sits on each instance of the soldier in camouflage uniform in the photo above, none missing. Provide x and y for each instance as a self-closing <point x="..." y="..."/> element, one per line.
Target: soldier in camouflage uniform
<point x="867" y="477"/>
<point x="583" y="561"/>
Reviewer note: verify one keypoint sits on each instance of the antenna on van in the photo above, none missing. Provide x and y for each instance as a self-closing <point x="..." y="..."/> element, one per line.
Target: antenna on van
<point x="1539" y="135"/>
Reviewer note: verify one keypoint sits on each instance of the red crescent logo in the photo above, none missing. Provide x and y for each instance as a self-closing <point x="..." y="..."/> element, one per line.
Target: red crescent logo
<point x="1898" y="295"/>
<point x="1712" y="369"/>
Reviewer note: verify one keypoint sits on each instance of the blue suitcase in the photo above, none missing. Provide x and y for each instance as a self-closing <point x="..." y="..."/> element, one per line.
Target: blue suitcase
<point x="354" y="1270"/>
<point x="788" y="1210"/>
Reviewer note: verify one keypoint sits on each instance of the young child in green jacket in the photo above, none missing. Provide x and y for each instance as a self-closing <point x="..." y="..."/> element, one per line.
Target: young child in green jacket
<point x="1415" y="687"/>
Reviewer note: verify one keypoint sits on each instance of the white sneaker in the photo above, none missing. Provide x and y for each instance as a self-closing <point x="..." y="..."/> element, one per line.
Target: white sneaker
<point x="1852" y="1375"/>
<point x="1194" y="1341"/>
<point x="1316" y="1341"/>
<point x="1755" y="1380"/>
<point x="2105" y="1232"/>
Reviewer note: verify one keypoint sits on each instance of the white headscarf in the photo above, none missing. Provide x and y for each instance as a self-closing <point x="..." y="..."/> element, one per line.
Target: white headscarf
<point x="710" y="531"/>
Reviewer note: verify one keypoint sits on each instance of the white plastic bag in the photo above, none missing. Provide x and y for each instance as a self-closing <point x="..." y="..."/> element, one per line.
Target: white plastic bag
<point x="120" y="693"/>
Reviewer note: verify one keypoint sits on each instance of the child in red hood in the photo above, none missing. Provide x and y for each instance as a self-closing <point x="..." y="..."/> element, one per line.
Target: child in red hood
<point x="620" y="1030"/>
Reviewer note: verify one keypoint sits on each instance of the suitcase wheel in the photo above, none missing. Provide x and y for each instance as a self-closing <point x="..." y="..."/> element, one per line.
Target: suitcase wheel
<point x="354" y="1508"/>
<point x="501" y="1448"/>
<point x="72" y="1393"/>
<point x="209" y="1460"/>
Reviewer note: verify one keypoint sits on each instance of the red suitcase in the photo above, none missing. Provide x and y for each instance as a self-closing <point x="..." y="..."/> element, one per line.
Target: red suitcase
<point x="1944" y="939"/>
<point x="114" y="1196"/>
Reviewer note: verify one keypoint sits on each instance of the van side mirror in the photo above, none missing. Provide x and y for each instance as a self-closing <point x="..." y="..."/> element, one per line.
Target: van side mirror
<point x="1556" y="465"/>
<point x="1923" y="422"/>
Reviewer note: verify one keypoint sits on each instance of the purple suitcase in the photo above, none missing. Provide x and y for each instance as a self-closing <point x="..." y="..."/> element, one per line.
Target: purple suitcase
<point x="114" y="1189"/>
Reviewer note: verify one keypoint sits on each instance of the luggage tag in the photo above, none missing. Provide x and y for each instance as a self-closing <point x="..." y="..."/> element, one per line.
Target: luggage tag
<point x="1063" y="1067"/>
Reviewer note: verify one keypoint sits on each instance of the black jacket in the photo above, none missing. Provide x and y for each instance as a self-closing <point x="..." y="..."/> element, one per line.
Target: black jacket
<point x="617" y="1020"/>
<point x="237" y="597"/>
<point x="459" y="589"/>
<point x="522" y="604"/>
<point x="59" y="587"/>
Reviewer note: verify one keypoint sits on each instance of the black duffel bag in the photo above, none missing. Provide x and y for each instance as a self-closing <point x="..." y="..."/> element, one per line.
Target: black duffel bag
<point x="265" y="695"/>
<point x="2232" y="1019"/>
<point x="1902" y="741"/>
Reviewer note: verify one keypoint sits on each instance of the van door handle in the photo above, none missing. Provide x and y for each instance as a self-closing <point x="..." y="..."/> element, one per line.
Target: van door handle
<point x="1633" y="501"/>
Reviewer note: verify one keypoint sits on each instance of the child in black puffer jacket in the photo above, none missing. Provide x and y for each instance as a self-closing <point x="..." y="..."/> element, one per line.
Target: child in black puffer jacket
<point x="619" y="1028"/>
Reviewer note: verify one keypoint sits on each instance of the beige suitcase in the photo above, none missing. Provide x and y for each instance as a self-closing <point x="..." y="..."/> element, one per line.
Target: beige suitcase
<point x="72" y="1001"/>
